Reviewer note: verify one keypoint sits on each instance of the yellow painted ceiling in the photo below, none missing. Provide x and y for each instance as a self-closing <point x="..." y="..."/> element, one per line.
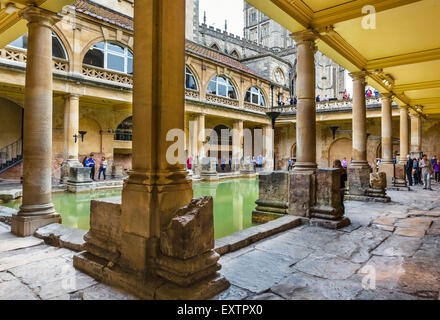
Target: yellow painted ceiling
<point x="404" y="46"/>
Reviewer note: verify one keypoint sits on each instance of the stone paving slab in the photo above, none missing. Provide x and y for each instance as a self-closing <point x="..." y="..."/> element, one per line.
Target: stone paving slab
<point x="398" y="246"/>
<point x="14" y="243"/>
<point x="62" y="236"/>
<point x="256" y="270"/>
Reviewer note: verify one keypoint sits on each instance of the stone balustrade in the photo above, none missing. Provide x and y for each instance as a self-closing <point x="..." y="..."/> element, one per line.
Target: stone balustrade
<point x="108" y="75"/>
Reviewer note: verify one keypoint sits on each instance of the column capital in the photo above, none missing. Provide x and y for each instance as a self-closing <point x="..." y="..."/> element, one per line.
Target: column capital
<point x="387" y="96"/>
<point x="307" y="35"/>
<point x="37" y="15"/>
<point x="359" y="75"/>
<point x="74" y="96"/>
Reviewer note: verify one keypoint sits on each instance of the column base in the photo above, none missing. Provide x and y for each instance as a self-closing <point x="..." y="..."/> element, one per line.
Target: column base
<point x="366" y="198"/>
<point x="388" y="168"/>
<point x="148" y="287"/>
<point x="24" y="226"/>
<point x="330" y="224"/>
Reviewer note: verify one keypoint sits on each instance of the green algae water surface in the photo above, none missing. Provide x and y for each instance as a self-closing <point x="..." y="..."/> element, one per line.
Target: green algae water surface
<point x="234" y="201"/>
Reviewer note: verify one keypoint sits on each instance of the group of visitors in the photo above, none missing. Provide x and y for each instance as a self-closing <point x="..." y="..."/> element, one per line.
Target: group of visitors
<point x="90" y="162"/>
<point x="369" y="93"/>
<point x="422" y="170"/>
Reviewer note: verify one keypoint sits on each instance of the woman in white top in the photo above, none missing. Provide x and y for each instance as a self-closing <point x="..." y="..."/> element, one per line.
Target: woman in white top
<point x="102" y="168"/>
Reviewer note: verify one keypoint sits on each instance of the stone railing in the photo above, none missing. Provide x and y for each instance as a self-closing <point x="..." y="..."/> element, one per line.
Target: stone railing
<point x="222" y="100"/>
<point x="330" y="105"/>
<point x="193" y="94"/>
<point x="108" y="75"/>
<point x="20" y="55"/>
<point x="13" y="54"/>
<point x="255" y="107"/>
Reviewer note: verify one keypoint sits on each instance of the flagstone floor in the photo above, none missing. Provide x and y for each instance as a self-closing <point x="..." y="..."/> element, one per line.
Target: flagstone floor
<point x="391" y="251"/>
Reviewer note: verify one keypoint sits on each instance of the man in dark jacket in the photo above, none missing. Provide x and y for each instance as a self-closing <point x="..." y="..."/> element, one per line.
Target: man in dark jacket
<point x="408" y="169"/>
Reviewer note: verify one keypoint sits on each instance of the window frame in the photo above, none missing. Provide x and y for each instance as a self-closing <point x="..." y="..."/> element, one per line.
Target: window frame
<point x="259" y="94"/>
<point x="127" y="55"/>
<point x="54" y="35"/>
<point x="188" y="72"/>
<point x="228" y="84"/>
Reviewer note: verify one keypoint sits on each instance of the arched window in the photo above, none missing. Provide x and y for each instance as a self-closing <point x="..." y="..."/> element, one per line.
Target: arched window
<point x="279" y="76"/>
<point x="222" y="86"/>
<point x="124" y="131"/>
<point x="58" y="50"/>
<point x="190" y="80"/>
<point x="111" y="56"/>
<point x="255" y="96"/>
<point x="221" y="135"/>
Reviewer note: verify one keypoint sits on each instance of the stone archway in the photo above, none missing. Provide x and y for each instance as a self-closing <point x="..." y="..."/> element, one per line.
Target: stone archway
<point x="340" y="149"/>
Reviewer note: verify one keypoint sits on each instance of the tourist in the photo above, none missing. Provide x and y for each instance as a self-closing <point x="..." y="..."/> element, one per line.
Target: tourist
<point x="345" y="96"/>
<point x="436" y="167"/>
<point x="91" y="163"/>
<point x="102" y="168"/>
<point x="376" y="93"/>
<point x="427" y="171"/>
<point x="326" y="98"/>
<point x="415" y="172"/>
<point x="223" y="164"/>
<point x="338" y="165"/>
<point x="434" y="160"/>
<point x="344" y="163"/>
<point x="230" y="164"/>
<point x="85" y="161"/>
<point x="189" y="163"/>
<point x="408" y="169"/>
<point x="318" y="99"/>
<point x="295" y="101"/>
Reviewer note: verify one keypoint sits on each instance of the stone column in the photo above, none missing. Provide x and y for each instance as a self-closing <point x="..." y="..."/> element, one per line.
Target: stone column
<point x="193" y="134"/>
<point x="159" y="239"/>
<point x="37" y="209"/>
<point x="359" y="171"/>
<point x="359" y="152"/>
<point x="71" y="128"/>
<point x="306" y="110"/>
<point x="201" y="136"/>
<point x="416" y="136"/>
<point x="399" y="168"/>
<point x="237" y="144"/>
<point x="387" y="129"/>
<point x="387" y="164"/>
<point x="268" y="148"/>
<point x="404" y="134"/>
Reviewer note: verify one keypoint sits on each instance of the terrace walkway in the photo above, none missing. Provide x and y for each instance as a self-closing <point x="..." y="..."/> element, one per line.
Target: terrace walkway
<point x="391" y="251"/>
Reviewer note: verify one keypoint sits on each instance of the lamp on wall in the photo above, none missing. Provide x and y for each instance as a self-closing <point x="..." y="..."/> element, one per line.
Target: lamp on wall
<point x="82" y="133"/>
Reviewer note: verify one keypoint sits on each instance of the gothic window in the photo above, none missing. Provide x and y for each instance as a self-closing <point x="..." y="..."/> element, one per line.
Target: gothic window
<point x="215" y="47"/>
<point x="255" y="96"/>
<point x="234" y="53"/>
<point x="58" y="50"/>
<point x="279" y="76"/>
<point x="190" y="80"/>
<point x="111" y="56"/>
<point x="222" y="86"/>
<point x="253" y="34"/>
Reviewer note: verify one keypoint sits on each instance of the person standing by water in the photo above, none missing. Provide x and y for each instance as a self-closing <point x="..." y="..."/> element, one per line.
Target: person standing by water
<point x="408" y="169"/>
<point x="102" y="168"/>
<point x="189" y="163"/>
<point x="223" y="164"/>
<point x="338" y="165"/>
<point x="91" y="163"/>
<point x="344" y="163"/>
<point x="427" y="171"/>
<point x="437" y="171"/>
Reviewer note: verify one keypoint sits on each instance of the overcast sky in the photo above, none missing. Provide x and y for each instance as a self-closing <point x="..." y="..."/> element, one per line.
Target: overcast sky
<point x="217" y="11"/>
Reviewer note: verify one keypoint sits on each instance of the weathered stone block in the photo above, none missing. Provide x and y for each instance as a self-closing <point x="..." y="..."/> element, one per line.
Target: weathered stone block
<point x="302" y="193"/>
<point x="209" y="168"/>
<point x="378" y="180"/>
<point x="191" y="232"/>
<point x="358" y="180"/>
<point x="79" y="175"/>
<point x="274" y="186"/>
<point x="247" y="166"/>
<point x="388" y="169"/>
<point x="328" y="185"/>
<point x="117" y="172"/>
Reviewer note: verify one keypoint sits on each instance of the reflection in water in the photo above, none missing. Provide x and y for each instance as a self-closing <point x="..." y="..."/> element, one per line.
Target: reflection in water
<point x="234" y="201"/>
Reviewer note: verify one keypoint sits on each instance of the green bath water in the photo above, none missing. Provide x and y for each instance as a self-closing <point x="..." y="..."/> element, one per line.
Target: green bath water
<point x="234" y="201"/>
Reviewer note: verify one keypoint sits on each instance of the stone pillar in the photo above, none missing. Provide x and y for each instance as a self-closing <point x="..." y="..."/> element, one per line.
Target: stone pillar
<point x="387" y="129"/>
<point x="193" y="134"/>
<point x="359" y="170"/>
<point x="71" y="135"/>
<point x="237" y="145"/>
<point x="306" y="109"/>
<point x="201" y="136"/>
<point x="268" y="148"/>
<point x="416" y="136"/>
<point x="161" y="240"/>
<point x="399" y="168"/>
<point x="404" y="134"/>
<point x="387" y="164"/>
<point x="37" y="209"/>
